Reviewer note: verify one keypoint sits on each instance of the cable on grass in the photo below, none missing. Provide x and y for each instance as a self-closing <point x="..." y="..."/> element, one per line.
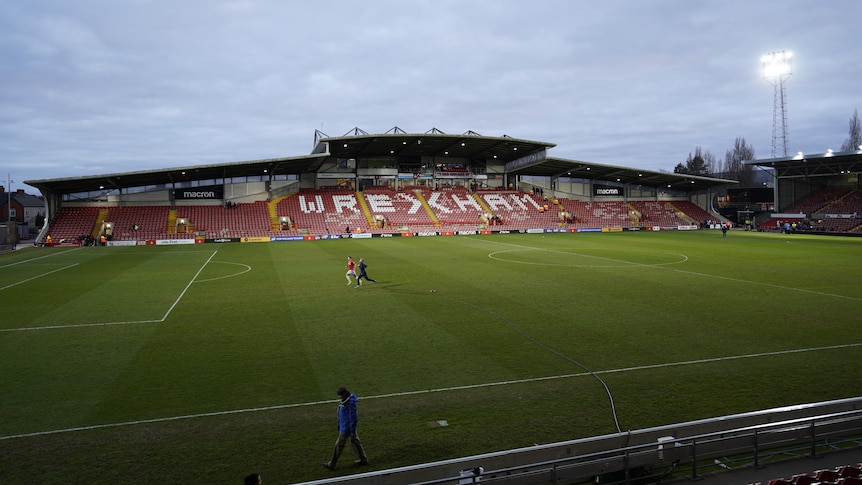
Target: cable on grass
<point x="547" y="348"/>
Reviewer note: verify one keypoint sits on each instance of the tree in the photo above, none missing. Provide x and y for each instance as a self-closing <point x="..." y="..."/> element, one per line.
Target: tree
<point x="734" y="169"/>
<point x="701" y="163"/>
<point x="855" y="140"/>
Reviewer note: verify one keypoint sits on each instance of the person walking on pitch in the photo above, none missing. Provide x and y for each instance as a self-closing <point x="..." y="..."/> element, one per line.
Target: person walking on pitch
<point x="347" y="420"/>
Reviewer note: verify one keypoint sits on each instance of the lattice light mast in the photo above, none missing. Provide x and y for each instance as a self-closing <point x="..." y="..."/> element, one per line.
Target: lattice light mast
<point x="777" y="67"/>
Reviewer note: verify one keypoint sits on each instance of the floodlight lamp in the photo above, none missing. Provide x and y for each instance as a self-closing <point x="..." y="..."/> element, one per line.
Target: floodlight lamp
<point x="777" y="64"/>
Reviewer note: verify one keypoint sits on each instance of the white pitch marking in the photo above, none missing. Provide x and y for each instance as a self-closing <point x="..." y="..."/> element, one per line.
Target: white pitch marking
<point x="770" y="285"/>
<point x="429" y="391"/>
<point x="38" y="276"/>
<point x="622" y="263"/>
<point x="40" y="257"/>
<point x="247" y="269"/>
<point x="167" y="313"/>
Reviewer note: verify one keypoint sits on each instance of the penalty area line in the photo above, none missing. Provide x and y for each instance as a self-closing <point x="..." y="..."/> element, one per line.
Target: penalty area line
<point x="105" y="324"/>
<point x="427" y="391"/>
<point x="39" y="276"/>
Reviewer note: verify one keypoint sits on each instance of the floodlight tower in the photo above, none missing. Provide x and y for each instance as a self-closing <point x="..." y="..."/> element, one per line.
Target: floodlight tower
<point x="777" y="67"/>
<point x="9" y="205"/>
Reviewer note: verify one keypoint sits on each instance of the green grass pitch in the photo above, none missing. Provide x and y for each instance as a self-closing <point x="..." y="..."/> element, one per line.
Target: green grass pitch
<point x="200" y="364"/>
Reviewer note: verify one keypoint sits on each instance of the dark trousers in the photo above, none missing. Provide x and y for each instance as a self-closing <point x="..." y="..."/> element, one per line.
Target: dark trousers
<point x="363" y="275"/>
<point x="354" y="442"/>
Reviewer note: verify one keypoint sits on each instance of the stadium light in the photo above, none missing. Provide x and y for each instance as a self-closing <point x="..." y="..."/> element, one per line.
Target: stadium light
<point x="776" y="68"/>
<point x="777" y="64"/>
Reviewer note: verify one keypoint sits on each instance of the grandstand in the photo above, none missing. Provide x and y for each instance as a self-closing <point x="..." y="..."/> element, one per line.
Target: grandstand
<point x="321" y="212"/>
<point x="818" y="193"/>
<point x="398" y="183"/>
<point x="388" y="184"/>
<point x="383" y="210"/>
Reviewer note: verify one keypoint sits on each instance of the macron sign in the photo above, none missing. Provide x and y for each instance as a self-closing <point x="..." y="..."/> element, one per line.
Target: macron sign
<point x="209" y="192"/>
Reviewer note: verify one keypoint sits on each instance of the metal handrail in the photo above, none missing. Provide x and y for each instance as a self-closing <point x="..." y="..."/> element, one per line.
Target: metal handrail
<point x="691" y="442"/>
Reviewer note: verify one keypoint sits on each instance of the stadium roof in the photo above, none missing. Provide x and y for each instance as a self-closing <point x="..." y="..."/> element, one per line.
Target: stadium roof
<point x="433" y="143"/>
<point x="521" y="157"/>
<point x="813" y="165"/>
<point x="165" y="176"/>
<point x="559" y="167"/>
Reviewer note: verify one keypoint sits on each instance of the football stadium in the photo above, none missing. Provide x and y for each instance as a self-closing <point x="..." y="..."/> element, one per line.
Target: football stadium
<point x="527" y="319"/>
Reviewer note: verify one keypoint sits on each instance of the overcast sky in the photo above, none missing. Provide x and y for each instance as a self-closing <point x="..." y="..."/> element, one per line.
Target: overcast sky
<point x="90" y="87"/>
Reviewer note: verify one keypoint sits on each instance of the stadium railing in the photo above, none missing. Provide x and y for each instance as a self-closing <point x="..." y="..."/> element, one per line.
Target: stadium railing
<point x="691" y="447"/>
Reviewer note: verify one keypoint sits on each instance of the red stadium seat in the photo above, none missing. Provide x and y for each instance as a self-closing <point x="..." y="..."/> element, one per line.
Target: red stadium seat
<point x="827" y="475"/>
<point x="802" y="479"/>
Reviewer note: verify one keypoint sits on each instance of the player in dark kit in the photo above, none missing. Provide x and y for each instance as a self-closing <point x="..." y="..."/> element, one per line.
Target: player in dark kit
<point x="362" y="274"/>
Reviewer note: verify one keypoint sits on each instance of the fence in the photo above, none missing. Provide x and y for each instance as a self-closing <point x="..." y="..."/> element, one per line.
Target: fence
<point x="632" y="456"/>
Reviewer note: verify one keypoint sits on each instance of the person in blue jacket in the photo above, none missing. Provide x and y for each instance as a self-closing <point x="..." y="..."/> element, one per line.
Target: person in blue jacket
<point x="347" y="420"/>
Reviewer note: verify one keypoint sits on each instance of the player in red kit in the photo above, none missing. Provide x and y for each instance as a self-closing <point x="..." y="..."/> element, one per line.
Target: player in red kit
<point x="351" y="270"/>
